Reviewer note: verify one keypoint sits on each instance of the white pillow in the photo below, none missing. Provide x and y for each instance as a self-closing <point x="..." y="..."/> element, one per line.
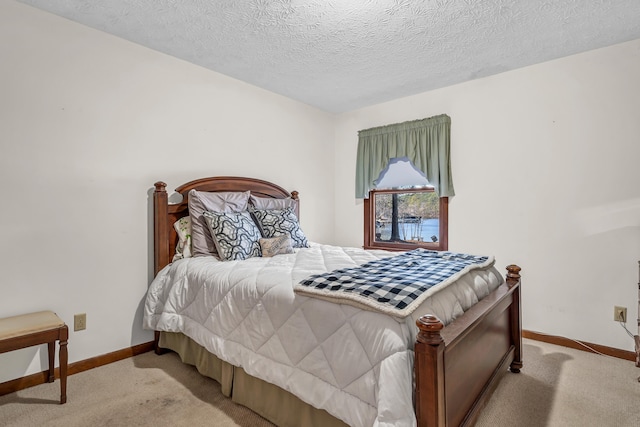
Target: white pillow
<point x="271" y="246"/>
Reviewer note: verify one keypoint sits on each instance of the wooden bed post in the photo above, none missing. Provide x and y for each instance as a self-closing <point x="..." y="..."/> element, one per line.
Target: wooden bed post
<point x="160" y="226"/>
<point x="160" y="238"/>
<point x="515" y="317"/>
<point x="294" y="196"/>
<point x="429" y="372"/>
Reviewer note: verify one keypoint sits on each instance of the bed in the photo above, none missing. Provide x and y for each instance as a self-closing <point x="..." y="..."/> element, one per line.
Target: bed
<point x="451" y="372"/>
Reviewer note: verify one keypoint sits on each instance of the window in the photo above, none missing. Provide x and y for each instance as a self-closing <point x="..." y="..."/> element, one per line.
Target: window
<point x="406" y="219"/>
<point x="412" y="211"/>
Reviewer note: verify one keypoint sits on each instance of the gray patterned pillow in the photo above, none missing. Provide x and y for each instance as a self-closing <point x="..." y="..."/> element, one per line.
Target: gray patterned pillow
<point x="278" y="222"/>
<point x="271" y="246"/>
<point x="235" y="235"/>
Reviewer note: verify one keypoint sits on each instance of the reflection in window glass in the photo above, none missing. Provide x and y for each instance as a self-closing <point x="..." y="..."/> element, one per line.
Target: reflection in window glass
<point x="407" y="217"/>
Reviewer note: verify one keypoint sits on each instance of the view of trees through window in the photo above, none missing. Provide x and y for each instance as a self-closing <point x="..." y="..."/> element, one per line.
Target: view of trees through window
<point x="412" y="216"/>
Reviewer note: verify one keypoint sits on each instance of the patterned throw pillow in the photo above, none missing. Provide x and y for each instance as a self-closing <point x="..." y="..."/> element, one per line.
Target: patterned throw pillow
<point x="235" y="235"/>
<point x="183" y="229"/>
<point x="278" y="222"/>
<point x="271" y="246"/>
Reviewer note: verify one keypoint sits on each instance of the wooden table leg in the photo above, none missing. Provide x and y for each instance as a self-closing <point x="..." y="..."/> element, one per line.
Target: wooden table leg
<point x="51" y="353"/>
<point x="63" y="356"/>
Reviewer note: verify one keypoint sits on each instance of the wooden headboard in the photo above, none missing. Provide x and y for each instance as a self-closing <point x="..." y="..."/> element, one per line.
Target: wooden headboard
<point x="165" y="214"/>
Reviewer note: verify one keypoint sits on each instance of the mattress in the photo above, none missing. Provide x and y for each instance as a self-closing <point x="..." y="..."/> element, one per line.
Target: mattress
<point x="355" y="364"/>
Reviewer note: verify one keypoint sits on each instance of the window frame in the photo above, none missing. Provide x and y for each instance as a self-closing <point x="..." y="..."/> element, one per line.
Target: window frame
<point x="369" y="224"/>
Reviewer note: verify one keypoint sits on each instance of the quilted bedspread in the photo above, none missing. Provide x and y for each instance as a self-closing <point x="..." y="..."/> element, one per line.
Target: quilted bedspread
<point x="355" y="364"/>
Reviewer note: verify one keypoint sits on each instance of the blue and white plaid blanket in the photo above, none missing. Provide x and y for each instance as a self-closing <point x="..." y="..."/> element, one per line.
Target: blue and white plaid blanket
<point x="395" y="285"/>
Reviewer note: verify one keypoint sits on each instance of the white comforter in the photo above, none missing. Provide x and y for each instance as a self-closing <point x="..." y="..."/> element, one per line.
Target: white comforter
<point x="355" y="364"/>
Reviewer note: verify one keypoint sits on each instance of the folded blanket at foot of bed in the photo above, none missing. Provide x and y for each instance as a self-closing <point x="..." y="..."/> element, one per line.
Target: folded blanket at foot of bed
<point x="395" y="285"/>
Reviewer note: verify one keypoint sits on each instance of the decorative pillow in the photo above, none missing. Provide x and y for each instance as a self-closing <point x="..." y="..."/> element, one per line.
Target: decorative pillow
<point x="271" y="246"/>
<point x="269" y="203"/>
<point x="235" y="234"/>
<point x="183" y="229"/>
<point x="200" y="201"/>
<point x="277" y="222"/>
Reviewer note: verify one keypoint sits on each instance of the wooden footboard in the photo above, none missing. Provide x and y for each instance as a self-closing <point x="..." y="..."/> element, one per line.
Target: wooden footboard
<point x="457" y="367"/>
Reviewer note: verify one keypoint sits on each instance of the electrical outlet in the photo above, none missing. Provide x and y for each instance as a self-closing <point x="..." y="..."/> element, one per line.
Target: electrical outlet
<point x="620" y="314"/>
<point x="80" y="322"/>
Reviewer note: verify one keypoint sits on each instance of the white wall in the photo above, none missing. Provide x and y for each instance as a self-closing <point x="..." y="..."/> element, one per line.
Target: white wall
<point x="545" y="167"/>
<point x="88" y="122"/>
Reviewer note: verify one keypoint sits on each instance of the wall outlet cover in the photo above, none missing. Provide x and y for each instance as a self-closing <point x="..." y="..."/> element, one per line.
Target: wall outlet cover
<point x="80" y="322"/>
<point x="620" y="314"/>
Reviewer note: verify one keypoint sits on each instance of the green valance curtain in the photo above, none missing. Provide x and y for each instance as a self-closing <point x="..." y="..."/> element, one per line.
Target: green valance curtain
<point x="425" y="142"/>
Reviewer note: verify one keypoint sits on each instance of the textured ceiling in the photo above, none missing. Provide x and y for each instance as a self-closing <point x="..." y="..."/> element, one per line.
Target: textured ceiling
<point x="340" y="55"/>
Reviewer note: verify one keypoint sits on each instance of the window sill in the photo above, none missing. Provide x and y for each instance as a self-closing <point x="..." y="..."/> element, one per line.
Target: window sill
<point x="396" y="247"/>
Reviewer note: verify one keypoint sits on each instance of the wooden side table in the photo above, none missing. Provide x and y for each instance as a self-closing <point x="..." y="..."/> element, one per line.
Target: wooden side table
<point x="43" y="327"/>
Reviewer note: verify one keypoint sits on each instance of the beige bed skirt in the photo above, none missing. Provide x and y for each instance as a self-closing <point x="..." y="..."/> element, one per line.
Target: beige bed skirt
<point x="271" y="402"/>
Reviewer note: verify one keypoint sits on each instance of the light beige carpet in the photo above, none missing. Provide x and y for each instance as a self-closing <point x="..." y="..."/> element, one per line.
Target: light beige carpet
<point x="145" y="390"/>
<point x="563" y="387"/>
<point x="557" y="387"/>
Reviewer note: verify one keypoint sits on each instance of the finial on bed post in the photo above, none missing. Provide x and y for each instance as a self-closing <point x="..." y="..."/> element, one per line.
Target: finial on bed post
<point x="513" y="274"/>
<point x="294" y="195"/>
<point x="161" y="187"/>
<point x="430" y="327"/>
